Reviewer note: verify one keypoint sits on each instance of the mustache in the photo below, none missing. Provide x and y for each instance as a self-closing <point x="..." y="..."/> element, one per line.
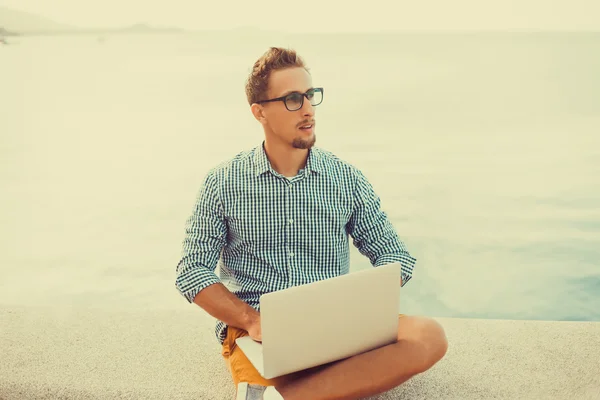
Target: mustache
<point x="307" y="122"/>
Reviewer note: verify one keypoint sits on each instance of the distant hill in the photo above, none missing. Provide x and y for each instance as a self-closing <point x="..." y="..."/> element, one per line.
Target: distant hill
<point x="24" y="22"/>
<point x="141" y="28"/>
<point x="4" y="32"/>
<point x="20" y="22"/>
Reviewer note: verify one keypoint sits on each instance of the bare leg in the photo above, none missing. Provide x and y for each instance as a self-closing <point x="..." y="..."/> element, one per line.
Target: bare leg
<point x="420" y="345"/>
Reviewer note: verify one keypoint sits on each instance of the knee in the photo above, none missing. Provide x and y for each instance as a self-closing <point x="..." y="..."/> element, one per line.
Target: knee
<point x="438" y="342"/>
<point x="434" y="342"/>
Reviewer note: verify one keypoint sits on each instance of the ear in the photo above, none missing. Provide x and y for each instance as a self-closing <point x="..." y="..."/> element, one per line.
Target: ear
<point x="259" y="112"/>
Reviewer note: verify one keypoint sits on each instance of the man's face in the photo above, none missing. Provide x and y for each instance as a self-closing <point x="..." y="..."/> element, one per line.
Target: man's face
<point x="281" y="124"/>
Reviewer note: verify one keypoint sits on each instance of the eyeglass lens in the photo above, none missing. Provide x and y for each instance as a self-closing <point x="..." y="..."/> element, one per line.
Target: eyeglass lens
<point x="294" y="101"/>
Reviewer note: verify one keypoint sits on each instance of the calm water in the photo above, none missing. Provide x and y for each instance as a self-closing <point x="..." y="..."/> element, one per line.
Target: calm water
<point x="485" y="149"/>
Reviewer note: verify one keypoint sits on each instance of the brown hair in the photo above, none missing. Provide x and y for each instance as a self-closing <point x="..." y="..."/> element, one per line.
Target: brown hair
<point x="274" y="59"/>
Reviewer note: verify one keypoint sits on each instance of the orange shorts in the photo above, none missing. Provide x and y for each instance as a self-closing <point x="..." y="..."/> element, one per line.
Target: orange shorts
<point x="241" y="368"/>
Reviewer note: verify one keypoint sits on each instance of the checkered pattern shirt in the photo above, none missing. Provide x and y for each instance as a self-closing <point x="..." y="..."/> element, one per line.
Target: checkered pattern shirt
<point x="268" y="232"/>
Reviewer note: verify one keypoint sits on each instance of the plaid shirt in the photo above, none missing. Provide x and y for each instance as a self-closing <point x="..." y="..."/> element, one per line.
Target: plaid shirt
<point x="268" y="232"/>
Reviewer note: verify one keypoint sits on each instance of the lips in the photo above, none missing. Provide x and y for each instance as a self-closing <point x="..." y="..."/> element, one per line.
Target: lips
<point x="307" y="125"/>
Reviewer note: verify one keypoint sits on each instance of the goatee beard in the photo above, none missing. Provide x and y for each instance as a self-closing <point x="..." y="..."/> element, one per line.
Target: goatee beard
<point x="298" y="143"/>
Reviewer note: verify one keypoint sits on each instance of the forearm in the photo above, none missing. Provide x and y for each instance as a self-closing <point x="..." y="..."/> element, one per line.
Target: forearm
<point x="219" y="302"/>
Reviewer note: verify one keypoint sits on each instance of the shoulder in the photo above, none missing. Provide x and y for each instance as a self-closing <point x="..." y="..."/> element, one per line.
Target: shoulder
<point x="338" y="167"/>
<point x="240" y="164"/>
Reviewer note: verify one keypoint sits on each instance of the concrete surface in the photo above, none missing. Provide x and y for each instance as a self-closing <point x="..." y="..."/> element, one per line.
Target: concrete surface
<point x="50" y="353"/>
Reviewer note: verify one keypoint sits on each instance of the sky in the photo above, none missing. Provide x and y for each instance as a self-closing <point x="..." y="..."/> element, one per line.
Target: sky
<point x="323" y="15"/>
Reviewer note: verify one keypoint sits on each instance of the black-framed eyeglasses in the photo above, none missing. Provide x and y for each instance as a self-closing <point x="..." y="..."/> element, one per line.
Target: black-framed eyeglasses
<point x="295" y="100"/>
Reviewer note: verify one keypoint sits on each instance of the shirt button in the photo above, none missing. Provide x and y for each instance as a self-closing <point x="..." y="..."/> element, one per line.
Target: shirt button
<point x="291" y="255"/>
<point x="291" y="221"/>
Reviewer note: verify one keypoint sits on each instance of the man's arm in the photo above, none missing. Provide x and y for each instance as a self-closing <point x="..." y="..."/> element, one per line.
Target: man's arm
<point x="219" y="302"/>
<point x="373" y="234"/>
<point x="206" y="236"/>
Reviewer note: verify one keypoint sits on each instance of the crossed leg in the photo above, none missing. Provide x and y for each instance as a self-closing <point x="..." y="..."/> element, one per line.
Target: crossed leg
<point x="421" y="344"/>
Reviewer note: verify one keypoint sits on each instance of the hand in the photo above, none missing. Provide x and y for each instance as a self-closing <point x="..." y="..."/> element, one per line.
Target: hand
<point x="254" y="330"/>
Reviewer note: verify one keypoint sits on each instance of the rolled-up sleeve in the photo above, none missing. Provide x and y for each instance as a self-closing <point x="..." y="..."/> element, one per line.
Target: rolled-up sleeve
<point x="205" y="237"/>
<point x="373" y="234"/>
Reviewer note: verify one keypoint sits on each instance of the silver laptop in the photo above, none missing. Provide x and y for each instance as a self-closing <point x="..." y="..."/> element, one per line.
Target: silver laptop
<point x="329" y="320"/>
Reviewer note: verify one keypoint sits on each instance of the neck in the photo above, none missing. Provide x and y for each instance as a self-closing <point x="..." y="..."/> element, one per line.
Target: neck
<point x="285" y="159"/>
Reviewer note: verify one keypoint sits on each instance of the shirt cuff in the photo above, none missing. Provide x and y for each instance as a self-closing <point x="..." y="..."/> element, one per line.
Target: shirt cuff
<point x="193" y="281"/>
<point x="405" y="259"/>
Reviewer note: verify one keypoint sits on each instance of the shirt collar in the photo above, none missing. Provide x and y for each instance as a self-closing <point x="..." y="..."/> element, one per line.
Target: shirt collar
<point x="314" y="163"/>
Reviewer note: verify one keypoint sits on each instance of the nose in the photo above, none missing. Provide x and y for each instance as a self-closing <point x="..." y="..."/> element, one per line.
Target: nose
<point x="308" y="110"/>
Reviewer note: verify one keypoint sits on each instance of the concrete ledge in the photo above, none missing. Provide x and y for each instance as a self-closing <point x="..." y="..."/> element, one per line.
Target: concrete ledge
<point x="50" y="353"/>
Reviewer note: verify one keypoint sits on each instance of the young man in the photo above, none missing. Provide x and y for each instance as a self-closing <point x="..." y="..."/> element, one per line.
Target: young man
<point x="280" y="215"/>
